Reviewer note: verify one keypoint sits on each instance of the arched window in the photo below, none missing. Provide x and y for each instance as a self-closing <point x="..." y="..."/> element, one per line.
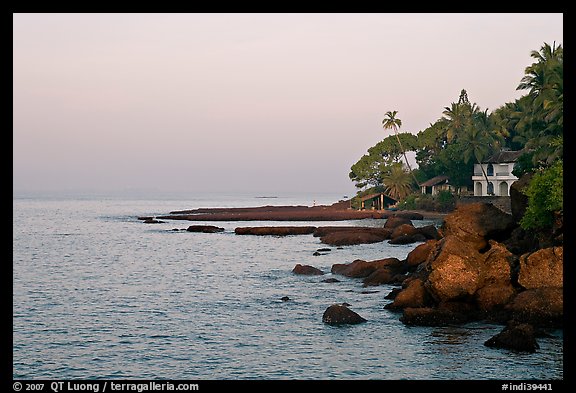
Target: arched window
<point x="490" y="188"/>
<point x="478" y="189"/>
<point x="503" y="189"/>
<point x="490" y="170"/>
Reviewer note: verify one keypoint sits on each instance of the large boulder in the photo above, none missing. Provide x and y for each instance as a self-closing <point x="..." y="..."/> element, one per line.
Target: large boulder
<point x="414" y="295"/>
<point x="420" y="253"/>
<point x="540" y="307"/>
<point x="338" y="314"/>
<point x="307" y="270"/>
<point x="496" y="265"/>
<point x="403" y="230"/>
<point x="543" y="268"/>
<point x="360" y="268"/>
<point x="395" y="221"/>
<point x="476" y="223"/>
<point x="454" y="268"/>
<point x="388" y="274"/>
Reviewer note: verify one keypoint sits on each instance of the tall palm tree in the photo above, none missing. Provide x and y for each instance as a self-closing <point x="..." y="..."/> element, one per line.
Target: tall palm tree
<point x="397" y="182"/>
<point x="391" y="122"/>
<point x="544" y="80"/>
<point x="478" y="141"/>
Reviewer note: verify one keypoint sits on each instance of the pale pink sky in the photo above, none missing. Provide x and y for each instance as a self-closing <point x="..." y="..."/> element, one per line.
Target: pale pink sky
<point x="263" y="103"/>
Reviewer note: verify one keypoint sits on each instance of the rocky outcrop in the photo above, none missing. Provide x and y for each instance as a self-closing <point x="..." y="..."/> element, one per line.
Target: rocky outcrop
<point x="307" y="270"/>
<point x="275" y="231"/>
<point x="414" y="295"/>
<point x="355" y="236"/>
<point x="454" y="270"/>
<point x="420" y="253"/>
<point x="361" y="269"/>
<point x="540" y="307"/>
<point x="433" y="316"/>
<point x="477" y="223"/>
<point x="204" y="228"/>
<point x="339" y="314"/>
<point x="543" y="268"/>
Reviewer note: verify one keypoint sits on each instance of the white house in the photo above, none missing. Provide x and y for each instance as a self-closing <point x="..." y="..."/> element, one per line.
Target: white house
<point x="498" y="169"/>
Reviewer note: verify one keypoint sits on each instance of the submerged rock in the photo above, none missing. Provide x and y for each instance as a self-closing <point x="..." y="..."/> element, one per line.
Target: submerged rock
<point x="275" y="231"/>
<point x="204" y="229"/>
<point x="515" y="336"/>
<point x="339" y="314"/>
<point x="307" y="270"/>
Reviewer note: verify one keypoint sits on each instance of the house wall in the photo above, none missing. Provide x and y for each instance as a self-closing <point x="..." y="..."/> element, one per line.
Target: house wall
<point x="500" y="175"/>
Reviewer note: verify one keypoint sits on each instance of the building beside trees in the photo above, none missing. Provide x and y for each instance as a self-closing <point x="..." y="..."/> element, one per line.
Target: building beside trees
<point x="499" y="177"/>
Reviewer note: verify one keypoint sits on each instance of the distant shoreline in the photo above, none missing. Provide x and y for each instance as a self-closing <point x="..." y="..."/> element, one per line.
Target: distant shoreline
<point x="339" y="211"/>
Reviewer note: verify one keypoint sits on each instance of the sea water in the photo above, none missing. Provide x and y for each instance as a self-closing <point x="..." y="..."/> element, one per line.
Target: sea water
<point x="99" y="294"/>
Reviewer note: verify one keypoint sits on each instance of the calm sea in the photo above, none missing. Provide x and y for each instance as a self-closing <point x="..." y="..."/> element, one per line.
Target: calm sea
<point x="99" y="294"/>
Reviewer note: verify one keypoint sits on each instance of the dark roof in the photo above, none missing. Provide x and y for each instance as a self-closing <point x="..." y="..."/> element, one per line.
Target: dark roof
<point x="435" y="181"/>
<point x="504" y="156"/>
<point x="372" y="196"/>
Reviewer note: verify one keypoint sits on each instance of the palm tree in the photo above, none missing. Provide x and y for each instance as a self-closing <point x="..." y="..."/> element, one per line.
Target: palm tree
<point x="391" y="122"/>
<point x="397" y="182"/>
<point x="544" y="80"/>
<point x="477" y="140"/>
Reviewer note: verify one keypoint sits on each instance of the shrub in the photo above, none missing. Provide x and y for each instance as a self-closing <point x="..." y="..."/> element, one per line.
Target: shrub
<point x="545" y="196"/>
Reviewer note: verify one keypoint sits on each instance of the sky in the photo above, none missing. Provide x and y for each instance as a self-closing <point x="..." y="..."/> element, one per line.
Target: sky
<point x="264" y="103"/>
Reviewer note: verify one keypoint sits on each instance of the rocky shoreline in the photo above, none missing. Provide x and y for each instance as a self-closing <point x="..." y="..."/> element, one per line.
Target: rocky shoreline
<point x="469" y="274"/>
<point x="478" y="266"/>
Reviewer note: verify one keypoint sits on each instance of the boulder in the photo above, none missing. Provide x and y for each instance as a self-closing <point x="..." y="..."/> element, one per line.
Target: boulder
<point x="515" y="336"/>
<point x="360" y="268"/>
<point x="395" y="221"/>
<point x="496" y="265"/>
<point x="307" y="270"/>
<point x="454" y="268"/>
<point x="542" y="307"/>
<point x="429" y="231"/>
<point x="430" y="316"/>
<point x="414" y="295"/>
<point x="339" y="314"/>
<point x="476" y="223"/>
<point x="388" y="274"/>
<point x="403" y="230"/>
<point x="420" y="253"/>
<point x="543" y="268"/>
<point x="331" y="280"/>
<point x="493" y="298"/>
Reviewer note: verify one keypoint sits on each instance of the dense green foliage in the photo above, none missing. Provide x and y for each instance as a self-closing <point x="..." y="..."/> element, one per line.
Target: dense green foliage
<point x="545" y="196"/>
<point x="444" y="201"/>
<point x="466" y="134"/>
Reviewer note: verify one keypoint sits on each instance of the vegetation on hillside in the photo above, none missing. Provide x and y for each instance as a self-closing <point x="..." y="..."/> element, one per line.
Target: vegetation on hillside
<point x="466" y="134"/>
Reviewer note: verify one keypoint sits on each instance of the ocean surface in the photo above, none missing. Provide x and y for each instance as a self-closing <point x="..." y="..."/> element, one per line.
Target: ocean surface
<point x="97" y="294"/>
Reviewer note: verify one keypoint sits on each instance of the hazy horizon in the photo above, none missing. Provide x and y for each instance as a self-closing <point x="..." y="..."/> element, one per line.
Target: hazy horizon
<point x="261" y="103"/>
